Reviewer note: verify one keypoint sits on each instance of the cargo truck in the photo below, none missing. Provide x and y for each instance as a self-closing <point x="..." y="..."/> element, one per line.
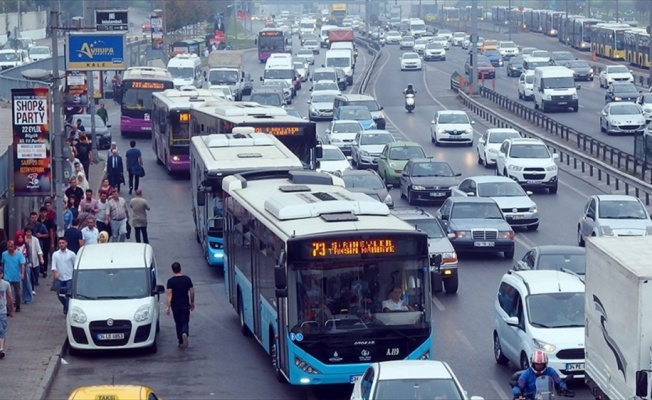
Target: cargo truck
<point x="618" y="333"/>
<point x="225" y="68"/>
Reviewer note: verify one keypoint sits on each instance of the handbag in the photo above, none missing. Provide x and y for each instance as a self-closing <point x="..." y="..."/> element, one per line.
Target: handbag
<point x="139" y="171"/>
<point x="122" y="178"/>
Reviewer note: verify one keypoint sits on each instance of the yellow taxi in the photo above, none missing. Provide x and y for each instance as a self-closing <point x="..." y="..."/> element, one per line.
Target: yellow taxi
<point x="113" y="392"/>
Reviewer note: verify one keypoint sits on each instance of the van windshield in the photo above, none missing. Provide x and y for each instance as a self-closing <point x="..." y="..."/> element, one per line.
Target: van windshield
<point x="117" y="283"/>
<point x="558" y="83"/>
<point x="339" y="62"/>
<point x="181" y="73"/>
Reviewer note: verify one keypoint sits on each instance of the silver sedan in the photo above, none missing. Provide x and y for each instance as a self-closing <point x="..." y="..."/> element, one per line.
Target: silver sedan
<point x="613" y="215"/>
<point x="622" y="118"/>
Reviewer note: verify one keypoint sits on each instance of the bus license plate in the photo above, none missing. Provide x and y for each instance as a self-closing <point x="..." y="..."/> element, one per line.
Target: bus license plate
<point x="484" y="244"/>
<point x="575" y="367"/>
<point x="354" y="378"/>
<point x="110" y="336"/>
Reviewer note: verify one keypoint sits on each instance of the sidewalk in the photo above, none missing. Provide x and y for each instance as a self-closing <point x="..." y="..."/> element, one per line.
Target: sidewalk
<point x="36" y="336"/>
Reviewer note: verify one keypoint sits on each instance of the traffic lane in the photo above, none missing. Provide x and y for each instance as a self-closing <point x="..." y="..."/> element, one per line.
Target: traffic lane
<point x="591" y="100"/>
<point x="218" y="355"/>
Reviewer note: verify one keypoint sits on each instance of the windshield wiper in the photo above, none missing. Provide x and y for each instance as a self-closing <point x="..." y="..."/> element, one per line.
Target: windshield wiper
<point x="83" y="296"/>
<point x="113" y="297"/>
<point x="539" y="325"/>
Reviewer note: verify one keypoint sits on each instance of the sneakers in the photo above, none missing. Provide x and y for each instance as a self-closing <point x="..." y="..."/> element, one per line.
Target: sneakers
<point x="33" y="293"/>
<point x="184" y="341"/>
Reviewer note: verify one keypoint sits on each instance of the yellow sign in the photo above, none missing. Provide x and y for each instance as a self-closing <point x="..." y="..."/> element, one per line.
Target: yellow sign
<point x="184" y="117"/>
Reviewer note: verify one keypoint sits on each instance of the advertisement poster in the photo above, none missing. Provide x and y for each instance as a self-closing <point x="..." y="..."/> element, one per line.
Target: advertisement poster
<point x="76" y="93"/>
<point x="31" y="142"/>
<point x="156" y="24"/>
<point x="98" y="84"/>
<point x="96" y="51"/>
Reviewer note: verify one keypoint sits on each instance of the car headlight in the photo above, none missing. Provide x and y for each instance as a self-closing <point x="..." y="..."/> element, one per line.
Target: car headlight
<point x="546" y="96"/>
<point x="500" y="62"/>
<point x="515" y="167"/>
<point x="492" y="151"/>
<point x="364" y="153"/>
<point x="441" y="130"/>
<point x="648" y="230"/>
<point x="313" y="109"/>
<point x="143" y="313"/>
<point x="336" y="140"/>
<point x="78" y="315"/>
<point x="462" y="234"/>
<point x="468" y="130"/>
<point x="533" y="209"/>
<point x="547" y="347"/>
<point x="590" y="70"/>
<point x="574" y="96"/>
<point x="606" y="230"/>
<point x="506" y="235"/>
<point x="551" y="168"/>
<point x="418" y="187"/>
<point x="617" y="98"/>
<point x="615" y="123"/>
<point x="449" y="257"/>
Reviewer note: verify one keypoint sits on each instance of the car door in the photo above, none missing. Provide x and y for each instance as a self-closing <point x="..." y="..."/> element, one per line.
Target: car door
<point x="443" y="214"/>
<point x="502" y="155"/>
<point x="404" y="182"/>
<point x="382" y="162"/>
<point x="521" y="83"/>
<point x="462" y="189"/>
<point x="609" y="95"/>
<point x="588" y="220"/>
<point x="482" y="142"/>
<point x="510" y="304"/>
<point x="355" y="147"/>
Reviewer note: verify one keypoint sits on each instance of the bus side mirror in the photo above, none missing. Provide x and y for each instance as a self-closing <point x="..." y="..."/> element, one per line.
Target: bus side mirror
<point x="641" y="384"/>
<point x="201" y="198"/>
<point x="280" y="281"/>
<point x="319" y="152"/>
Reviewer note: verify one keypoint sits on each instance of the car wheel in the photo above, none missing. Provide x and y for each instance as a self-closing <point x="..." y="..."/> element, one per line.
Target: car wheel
<point x="602" y="127"/>
<point x="451" y="284"/>
<point x="524" y="362"/>
<point x="608" y="128"/>
<point x="536" y="106"/>
<point x="498" y="351"/>
<point x="520" y="96"/>
<point x="509" y="255"/>
<point x="580" y="239"/>
<point x="410" y="200"/>
<point x="553" y="189"/>
<point x="533" y="227"/>
<point x="400" y="191"/>
<point x="435" y="141"/>
<point x="273" y="354"/>
<point x="480" y="160"/>
<point x="485" y="163"/>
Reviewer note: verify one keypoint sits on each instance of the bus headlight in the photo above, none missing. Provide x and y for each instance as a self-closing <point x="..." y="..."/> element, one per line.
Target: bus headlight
<point x="304" y="366"/>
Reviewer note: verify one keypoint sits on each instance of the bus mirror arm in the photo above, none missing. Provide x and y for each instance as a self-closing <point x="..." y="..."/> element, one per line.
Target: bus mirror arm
<point x="280" y="281"/>
<point x="201" y="198"/>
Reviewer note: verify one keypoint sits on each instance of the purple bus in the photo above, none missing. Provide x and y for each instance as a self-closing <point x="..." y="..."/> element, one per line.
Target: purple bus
<point x="270" y="40"/>
<point x="138" y="85"/>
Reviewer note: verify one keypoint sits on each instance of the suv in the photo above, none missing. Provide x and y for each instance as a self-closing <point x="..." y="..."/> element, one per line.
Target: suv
<point x="362" y="100"/>
<point x="268" y="96"/>
<point x="449" y="126"/>
<point x="529" y="162"/>
<point x="443" y="258"/>
<point x="394" y="157"/>
<point x="540" y="310"/>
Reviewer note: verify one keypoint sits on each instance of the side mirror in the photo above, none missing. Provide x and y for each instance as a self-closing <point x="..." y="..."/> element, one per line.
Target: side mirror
<point x="642" y="378"/>
<point x="555" y="156"/>
<point x="280" y="280"/>
<point x="205" y="74"/>
<point x="390" y="186"/>
<point x="308" y="101"/>
<point x="511" y="321"/>
<point x="261" y="78"/>
<point x="451" y="235"/>
<point x="445" y="218"/>
<point x="160" y="289"/>
<point x="108" y="126"/>
<point x="432" y="122"/>
<point x="470" y="194"/>
<point x="381" y="108"/>
<point x="529" y="193"/>
<point x="578" y="87"/>
<point x="472" y="122"/>
<point x="604" y="113"/>
<point x="458" y="174"/>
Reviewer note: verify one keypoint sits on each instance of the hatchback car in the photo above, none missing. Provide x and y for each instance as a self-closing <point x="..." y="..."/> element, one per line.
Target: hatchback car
<point x="367" y="182"/>
<point x="540" y="310"/>
<point x="367" y="147"/>
<point x="407" y="42"/>
<point x="408" y="379"/>
<point x="420" y="45"/>
<point x="358" y="113"/>
<point x="494" y="57"/>
<point x="332" y="160"/>
<point x="613" y="215"/>
<point x="312" y="45"/>
<point x="554" y="257"/>
<point x="324" y="86"/>
<point x="111" y="392"/>
<point x="476" y="225"/>
<point x="427" y="180"/>
<point x="526" y="85"/>
<point x="394" y="157"/>
<point x="450" y="126"/>
<point x="514" y="66"/>
<point x="39" y="53"/>
<point x="626" y="92"/>
<point x="622" y="118"/>
<point x="489" y="144"/>
<point x="411" y="62"/>
<point x="102" y="132"/>
<point x="561" y="57"/>
<point x="321" y="105"/>
<point x="508" y="49"/>
<point x="515" y="203"/>
<point x="341" y="134"/>
<point x="287" y="88"/>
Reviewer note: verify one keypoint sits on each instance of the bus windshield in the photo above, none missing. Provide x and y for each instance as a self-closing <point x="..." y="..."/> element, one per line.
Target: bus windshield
<point x="274" y="44"/>
<point x="137" y="99"/>
<point x="180" y="134"/>
<point x="620" y="40"/>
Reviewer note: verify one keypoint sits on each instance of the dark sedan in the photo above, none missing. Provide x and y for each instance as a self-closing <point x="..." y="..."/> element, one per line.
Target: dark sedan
<point x="368" y="182"/>
<point x="621" y="92"/>
<point x="102" y="133"/>
<point x="582" y="71"/>
<point x="424" y="179"/>
<point x="476" y="225"/>
<point x="515" y="66"/>
<point x="554" y="257"/>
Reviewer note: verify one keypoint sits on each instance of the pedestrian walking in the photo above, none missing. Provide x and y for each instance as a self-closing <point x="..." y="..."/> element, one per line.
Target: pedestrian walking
<point x="26" y="278"/>
<point x="104" y="237"/>
<point x="63" y="261"/>
<point x="115" y="170"/>
<point x="102" y="113"/>
<point x="34" y="259"/>
<point x="74" y="190"/>
<point x="74" y="237"/>
<point x="88" y="206"/>
<point x="90" y="232"/>
<point x="6" y="310"/>
<point x="134" y="166"/>
<point x="180" y="300"/>
<point x="13" y="264"/>
<point x="84" y="153"/>
<point x="140" y="206"/>
<point x="105" y="188"/>
<point x="117" y="216"/>
<point x="100" y="216"/>
<point x="47" y="242"/>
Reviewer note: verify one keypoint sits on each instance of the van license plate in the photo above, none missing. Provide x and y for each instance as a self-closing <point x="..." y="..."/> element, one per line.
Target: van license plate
<point x="354" y="378"/>
<point x="575" y="367"/>
<point x="484" y="244"/>
<point x="110" y="336"/>
<point x="562" y="103"/>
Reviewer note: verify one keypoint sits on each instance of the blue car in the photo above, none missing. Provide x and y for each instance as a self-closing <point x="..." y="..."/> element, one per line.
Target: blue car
<point x="514" y="66"/>
<point x="494" y="56"/>
<point x="357" y="113"/>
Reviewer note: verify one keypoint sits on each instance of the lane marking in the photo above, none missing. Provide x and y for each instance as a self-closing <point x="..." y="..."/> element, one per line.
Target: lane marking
<point x="437" y="303"/>
<point x="499" y="390"/>
<point x="464" y="339"/>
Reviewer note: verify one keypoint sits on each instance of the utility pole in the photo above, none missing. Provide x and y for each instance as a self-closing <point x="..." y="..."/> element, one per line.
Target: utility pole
<point x="91" y="90"/>
<point x="509" y="25"/>
<point x="588" y="8"/>
<point x="56" y="130"/>
<point x="474" y="47"/>
<point x="617" y="1"/>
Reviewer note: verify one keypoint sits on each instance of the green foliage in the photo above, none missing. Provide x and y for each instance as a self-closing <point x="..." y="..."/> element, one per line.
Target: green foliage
<point x="179" y="13"/>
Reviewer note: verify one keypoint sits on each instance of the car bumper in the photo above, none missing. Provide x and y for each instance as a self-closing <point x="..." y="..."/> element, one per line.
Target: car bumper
<point x="522" y="218"/>
<point x="432" y="56"/>
<point x="434" y="195"/>
<point x="411" y="66"/>
<point x="568" y="369"/>
<point x="136" y="335"/>
<point x="487" y="74"/>
<point x="535" y="180"/>
<point x="626" y="129"/>
<point x="463" y="138"/>
<point x="482" y="246"/>
<point x="327" y="115"/>
<point x="583" y="77"/>
<point x="560" y="104"/>
<point x="369" y="161"/>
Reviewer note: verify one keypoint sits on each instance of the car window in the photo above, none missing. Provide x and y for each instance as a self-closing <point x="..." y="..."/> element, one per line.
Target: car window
<point x="529" y="151"/>
<point x="453" y="119"/>
<point x="405" y="153"/>
<point x="619" y="209"/>
<point x="500" y="189"/>
<point x="529" y="258"/>
<point x="366" y="181"/>
<point x="423" y="169"/>
<point x="499" y="137"/>
<point x="507" y="298"/>
<point x="464" y="210"/>
<point x="367" y="383"/>
<point x="572" y="262"/>
<point x="429" y="226"/>
<point x="465" y="186"/>
<point x="591" y="207"/>
<point x="556" y="310"/>
<point x="445" y="208"/>
<point x="332" y="155"/>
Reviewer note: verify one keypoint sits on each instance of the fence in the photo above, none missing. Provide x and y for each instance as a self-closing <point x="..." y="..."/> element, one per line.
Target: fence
<point x="373" y="48"/>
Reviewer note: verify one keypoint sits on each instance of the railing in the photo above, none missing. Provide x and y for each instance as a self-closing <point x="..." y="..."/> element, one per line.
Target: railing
<point x="606" y="168"/>
<point x="373" y="48"/>
<point x="608" y="154"/>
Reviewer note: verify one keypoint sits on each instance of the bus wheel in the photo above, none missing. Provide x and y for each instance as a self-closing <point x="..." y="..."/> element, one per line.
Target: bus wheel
<point x="273" y="353"/>
<point x="243" y="326"/>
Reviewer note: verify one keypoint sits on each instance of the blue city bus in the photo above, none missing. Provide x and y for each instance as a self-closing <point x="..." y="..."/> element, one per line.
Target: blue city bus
<point x="310" y="270"/>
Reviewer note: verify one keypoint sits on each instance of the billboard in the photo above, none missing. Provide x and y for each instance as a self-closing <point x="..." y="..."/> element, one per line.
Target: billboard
<point x="111" y="20"/>
<point x="96" y="51"/>
<point x="156" y="24"/>
<point x="76" y="92"/>
<point x="31" y="142"/>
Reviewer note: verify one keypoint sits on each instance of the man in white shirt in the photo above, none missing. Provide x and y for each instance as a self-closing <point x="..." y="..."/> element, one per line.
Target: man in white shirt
<point x="90" y="233"/>
<point x="100" y="216"/>
<point x="63" y="262"/>
<point x="394" y="303"/>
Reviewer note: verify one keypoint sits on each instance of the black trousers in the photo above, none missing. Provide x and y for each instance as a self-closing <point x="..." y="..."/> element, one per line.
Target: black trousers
<point x="101" y="226"/>
<point x="142" y="231"/>
<point x="181" y="321"/>
<point x="134" y="181"/>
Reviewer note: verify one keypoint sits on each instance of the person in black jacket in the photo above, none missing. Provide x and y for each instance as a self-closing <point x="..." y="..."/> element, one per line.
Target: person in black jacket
<point x="115" y="170"/>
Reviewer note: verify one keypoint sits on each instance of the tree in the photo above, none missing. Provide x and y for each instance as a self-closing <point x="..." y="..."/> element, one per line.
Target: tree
<point x="180" y="13"/>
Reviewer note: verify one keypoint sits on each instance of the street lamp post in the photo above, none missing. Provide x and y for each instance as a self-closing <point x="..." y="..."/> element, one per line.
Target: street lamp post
<point x="509" y="25"/>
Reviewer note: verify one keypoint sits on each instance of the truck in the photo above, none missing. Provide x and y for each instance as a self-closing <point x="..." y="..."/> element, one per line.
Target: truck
<point x="340" y="35"/>
<point x="395" y="11"/>
<point x="225" y="68"/>
<point x="338" y="12"/>
<point x="618" y="343"/>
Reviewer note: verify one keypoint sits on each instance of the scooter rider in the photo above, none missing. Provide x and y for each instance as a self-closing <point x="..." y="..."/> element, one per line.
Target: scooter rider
<point x="409" y="90"/>
<point x="525" y="387"/>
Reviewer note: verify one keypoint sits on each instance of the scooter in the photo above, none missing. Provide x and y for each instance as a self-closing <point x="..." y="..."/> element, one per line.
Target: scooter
<point x="545" y="387"/>
<point x="409" y="102"/>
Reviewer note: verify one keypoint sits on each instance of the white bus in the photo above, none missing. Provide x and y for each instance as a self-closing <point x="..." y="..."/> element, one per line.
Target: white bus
<point x="310" y="267"/>
<point x="214" y="157"/>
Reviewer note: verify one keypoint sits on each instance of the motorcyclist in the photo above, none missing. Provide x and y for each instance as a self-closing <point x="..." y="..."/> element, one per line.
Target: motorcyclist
<point x="409" y="90"/>
<point x="525" y="387"/>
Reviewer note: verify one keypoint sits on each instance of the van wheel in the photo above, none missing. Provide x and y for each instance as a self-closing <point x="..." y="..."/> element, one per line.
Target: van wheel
<point x="243" y="326"/>
<point x="498" y="351"/>
<point x="451" y="284"/>
<point x="536" y="106"/>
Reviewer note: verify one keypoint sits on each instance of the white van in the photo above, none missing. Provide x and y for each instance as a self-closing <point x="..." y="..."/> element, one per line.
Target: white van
<point x="342" y="58"/>
<point x="417" y="27"/>
<point x="186" y="70"/>
<point x="114" y="300"/>
<point x="280" y="69"/>
<point x="554" y="87"/>
<point x="346" y="46"/>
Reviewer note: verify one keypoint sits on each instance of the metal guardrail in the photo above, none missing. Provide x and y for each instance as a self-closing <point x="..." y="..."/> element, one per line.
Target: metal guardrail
<point x="608" y="154"/>
<point x="373" y="48"/>
<point x="573" y="158"/>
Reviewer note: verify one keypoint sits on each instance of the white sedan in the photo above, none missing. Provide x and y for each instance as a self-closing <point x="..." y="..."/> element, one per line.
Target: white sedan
<point x="411" y="61"/>
<point x="489" y="144"/>
<point x="615" y="73"/>
<point x="307" y="55"/>
<point x="332" y="160"/>
<point x="622" y="118"/>
<point x="393" y="37"/>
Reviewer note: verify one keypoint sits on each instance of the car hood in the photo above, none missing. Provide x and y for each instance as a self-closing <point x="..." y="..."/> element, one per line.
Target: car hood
<point x="505" y="202"/>
<point x="619" y="75"/>
<point x="627" y="119"/>
<point x="373" y="148"/>
<point x="430" y="181"/>
<point x="334" y="166"/>
<point x="441" y="245"/>
<point x="466" y="224"/>
<point x="625" y="226"/>
<point x="532" y="162"/>
<point x="562" y="338"/>
<point x="627" y="95"/>
<point x="322" y="106"/>
<point x="485" y="68"/>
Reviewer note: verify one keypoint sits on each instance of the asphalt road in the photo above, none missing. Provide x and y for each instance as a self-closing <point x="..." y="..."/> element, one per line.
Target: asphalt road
<point x="221" y="363"/>
<point x="591" y="96"/>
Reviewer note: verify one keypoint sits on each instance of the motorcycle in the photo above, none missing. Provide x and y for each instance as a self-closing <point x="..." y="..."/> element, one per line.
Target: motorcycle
<point x="545" y="388"/>
<point x="409" y="102"/>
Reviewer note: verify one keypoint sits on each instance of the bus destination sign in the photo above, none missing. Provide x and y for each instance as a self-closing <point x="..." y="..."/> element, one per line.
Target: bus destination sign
<point x="147" y="85"/>
<point x="337" y="247"/>
<point x="270" y="33"/>
<point x="287" y="130"/>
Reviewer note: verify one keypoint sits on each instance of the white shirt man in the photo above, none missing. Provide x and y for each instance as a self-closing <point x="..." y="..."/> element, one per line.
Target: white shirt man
<point x="90" y="233"/>
<point x="394" y="303"/>
<point x="63" y="262"/>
